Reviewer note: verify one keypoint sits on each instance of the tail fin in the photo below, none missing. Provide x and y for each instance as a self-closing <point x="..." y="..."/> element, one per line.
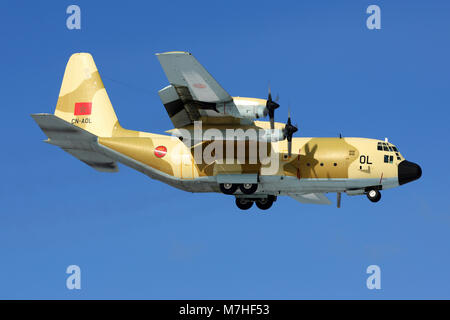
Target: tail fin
<point x="83" y="100"/>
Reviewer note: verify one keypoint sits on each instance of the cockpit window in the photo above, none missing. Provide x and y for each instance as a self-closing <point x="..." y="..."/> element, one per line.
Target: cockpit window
<point x="383" y="146"/>
<point x="388" y="158"/>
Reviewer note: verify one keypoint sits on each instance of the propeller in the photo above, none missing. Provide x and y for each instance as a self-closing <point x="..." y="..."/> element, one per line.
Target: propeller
<point x="271" y="105"/>
<point x="288" y="131"/>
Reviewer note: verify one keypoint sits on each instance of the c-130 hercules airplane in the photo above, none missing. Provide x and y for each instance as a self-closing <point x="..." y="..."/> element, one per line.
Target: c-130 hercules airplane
<point x="85" y="125"/>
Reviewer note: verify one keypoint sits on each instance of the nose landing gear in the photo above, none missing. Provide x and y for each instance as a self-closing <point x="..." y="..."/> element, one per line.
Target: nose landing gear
<point x="374" y="195"/>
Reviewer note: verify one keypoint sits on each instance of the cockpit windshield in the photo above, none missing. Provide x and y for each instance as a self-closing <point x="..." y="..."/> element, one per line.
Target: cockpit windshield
<point x="386" y="146"/>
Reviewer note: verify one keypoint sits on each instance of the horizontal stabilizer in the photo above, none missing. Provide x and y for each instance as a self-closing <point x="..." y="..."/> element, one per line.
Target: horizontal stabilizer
<point x="74" y="140"/>
<point x="313" y="198"/>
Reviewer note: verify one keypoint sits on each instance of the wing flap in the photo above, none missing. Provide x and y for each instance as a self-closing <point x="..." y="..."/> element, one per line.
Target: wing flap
<point x="175" y="107"/>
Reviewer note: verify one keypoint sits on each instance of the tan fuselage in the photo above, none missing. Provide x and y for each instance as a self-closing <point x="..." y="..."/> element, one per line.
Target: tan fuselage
<point x="337" y="164"/>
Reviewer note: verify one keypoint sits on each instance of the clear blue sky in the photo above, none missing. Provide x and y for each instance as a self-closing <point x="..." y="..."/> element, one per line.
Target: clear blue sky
<point x="138" y="238"/>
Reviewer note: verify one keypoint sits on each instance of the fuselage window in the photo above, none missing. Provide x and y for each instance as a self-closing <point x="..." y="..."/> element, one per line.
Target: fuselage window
<point x="391" y="159"/>
<point x="385" y="148"/>
<point x="386" y="158"/>
<point x="395" y="149"/>
<point x="335" y="164"/>
<point x="379" y="147"/>
<point x="390" y="148"/>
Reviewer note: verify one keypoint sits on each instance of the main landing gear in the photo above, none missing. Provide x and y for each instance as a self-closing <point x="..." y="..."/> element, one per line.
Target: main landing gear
<point x="228" y="188"/>
<point x="261" y="203"/>
<point x="374" y="195"/>
<point x="244" y="202"/>
<point x="248" y="188"/>
<point x="231" y="188"/>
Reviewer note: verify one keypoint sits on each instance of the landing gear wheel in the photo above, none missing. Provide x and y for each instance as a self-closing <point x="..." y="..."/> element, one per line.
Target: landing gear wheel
<point x="228" y="188"/>
<point x="374" y="195"/>
<point x="248" y="188"/>
<point x="244" y="204"/>
<point x="264" y="203"/>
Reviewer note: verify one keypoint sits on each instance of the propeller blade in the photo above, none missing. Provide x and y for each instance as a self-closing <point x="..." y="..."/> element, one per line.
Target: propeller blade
<point x="289" y="147"/>
<point x="270" y="107"/>
<point x="289" y="131"/>
<point x="272" y="118"/>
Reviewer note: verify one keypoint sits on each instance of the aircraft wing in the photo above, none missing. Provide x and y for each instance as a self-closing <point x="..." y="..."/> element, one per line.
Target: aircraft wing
<point x="193" y="94"/>
<point x="313" y="198"/>
<point x="183" y="70"/>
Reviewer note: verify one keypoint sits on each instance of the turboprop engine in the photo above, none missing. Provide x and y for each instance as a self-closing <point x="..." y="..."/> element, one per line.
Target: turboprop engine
<point x="249" y="108"/>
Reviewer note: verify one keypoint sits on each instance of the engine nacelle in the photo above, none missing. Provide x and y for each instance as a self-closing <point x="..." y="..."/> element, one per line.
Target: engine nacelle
<point x="274" y="135"/>
<point x="250" y="108"/>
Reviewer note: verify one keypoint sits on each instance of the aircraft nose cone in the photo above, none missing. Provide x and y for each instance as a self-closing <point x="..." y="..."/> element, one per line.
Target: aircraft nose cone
<point x="408" y="171"/>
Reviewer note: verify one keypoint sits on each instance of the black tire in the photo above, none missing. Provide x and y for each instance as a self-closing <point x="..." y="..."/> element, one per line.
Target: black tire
<point x="264" y="203"/>
<point x="244" y="204"/>
<point x="228" y="188"/>
<point x="248" y="188"/>
<point x="374" y="195"/>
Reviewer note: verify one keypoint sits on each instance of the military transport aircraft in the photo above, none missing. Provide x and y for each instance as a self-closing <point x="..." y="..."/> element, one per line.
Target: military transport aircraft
<point x="85" y="125"/>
